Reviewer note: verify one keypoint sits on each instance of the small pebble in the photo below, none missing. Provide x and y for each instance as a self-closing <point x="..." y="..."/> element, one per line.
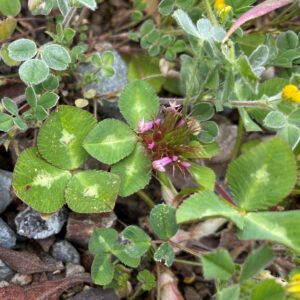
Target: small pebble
<point x="22" y="279"/>
<point x="65" y="252"/>
<point x="7" y="236"/>
<point x="6" y="273"/>
<point x="30" y="224"/>
<point x="5" y="184"/>
<point x="72" y="269"/>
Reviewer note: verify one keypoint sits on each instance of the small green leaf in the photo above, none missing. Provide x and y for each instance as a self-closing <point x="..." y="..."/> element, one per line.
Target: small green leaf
<point x="91" y="4"/>
<point x="163" y="221"/>
<point x="207" y="205"/>
<point x="41" y="113"/>
<point x="33" y="71"/>
<point x="204" y="176"/>
<point x="166" y="7"/>
<point x="134" y="171"/>
<point x="294" y="117"/>
<point x="102" y="240"/>
<point x="165" y="253"/>
<point x="259" y="56"/>
<point x="10" y="106"/>
<point x="287" y="40"/>
<point x="102" y="270"/>
<point x="10" y="7"/>
<point x="291" y="134"/>
<point x="110" y="141"/>
<point x="31" y="96"/>
<point x="108" y="71"/>
<point x="108" y="58"/>
<point x="280" y="227"/>
<point x="229" y="293"/>
<point x="137" y="242"/>
<point x="217" y="265"/>
<point x="275" y="120"/>
<point x="56" y="57"/>
<point x="20" y="123"/>
<point x="147" y="279"/>
<point x="203" y="111"/>
<point x="209" y="132"/>
<point x="268" y="289"/>
<point x="22" y="49"/>
<point x="248" y="74"/>
<point x="92" y="191"/>
<point x="51" y="83"/>
<point x="255" y="262"/>
<point x="120" y="252"/>
<point x="63" y="6"/>
<point x="39" y="184"/>
<point x="61" y="136"/>
<point x="137" y="102"/>
<point x="6" y="122"/>
<point x="48" y="100"/>
<point x="263" y="176"/>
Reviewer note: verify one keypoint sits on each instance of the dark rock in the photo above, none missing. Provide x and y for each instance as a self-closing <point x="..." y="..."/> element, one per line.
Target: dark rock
<point x="30" y="224"/>
<point x="5" y="184"/>
<point x="65" y="252"/>
<point x="106" y="85"/>
<point x="96" y="294"/>
<point x="5" y="272"/>
<point x="7" y="236"/>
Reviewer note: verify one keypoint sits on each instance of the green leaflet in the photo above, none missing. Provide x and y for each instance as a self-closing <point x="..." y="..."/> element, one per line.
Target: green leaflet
<point x="138" y="101"/>
<point x="61" y="136"/>
<point x="39" y="184"/>
<point x="110" y="141"/>
<point x="207" y="205"/>
<point x="280" y="227"/>
<point x="134" y="171"/>
<point x="262" y="177"/>
<point x="92" y="191"/>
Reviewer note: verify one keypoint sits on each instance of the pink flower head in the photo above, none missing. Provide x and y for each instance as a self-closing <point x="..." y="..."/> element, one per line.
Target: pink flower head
<point x="157" y="122"/>
<point x="143" y="127"/>
<point x="181" y="123"/>
<point x="174" y="158"/>
<point x="160" y="164"/>
<point x="185" y="164"/>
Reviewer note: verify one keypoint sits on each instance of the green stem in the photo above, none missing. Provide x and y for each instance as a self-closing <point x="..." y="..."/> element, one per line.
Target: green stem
<point x="190" y="86"/>
<point x="210" y="12"/>
<point x="187" y="262"/>
<point x="146" y="199"/>
<point x="238" y="142"/>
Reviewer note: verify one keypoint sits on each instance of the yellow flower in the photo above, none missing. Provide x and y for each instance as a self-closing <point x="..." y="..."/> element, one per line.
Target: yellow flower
<point x="294" y="286"/>
<point x="219" y="5"/>
<point x="222" y="8"/>
<point x="291" y="92"/>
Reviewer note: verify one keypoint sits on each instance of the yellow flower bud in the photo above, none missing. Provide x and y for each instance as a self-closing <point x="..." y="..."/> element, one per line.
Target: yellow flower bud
<point x="291" y="92"/>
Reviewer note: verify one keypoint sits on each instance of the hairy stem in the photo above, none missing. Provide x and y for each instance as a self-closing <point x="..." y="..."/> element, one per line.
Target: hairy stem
<point x="146" y="198"/>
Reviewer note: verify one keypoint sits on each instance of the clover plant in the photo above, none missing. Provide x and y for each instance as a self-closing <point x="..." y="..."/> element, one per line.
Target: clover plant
<point x="212" y="65"/>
